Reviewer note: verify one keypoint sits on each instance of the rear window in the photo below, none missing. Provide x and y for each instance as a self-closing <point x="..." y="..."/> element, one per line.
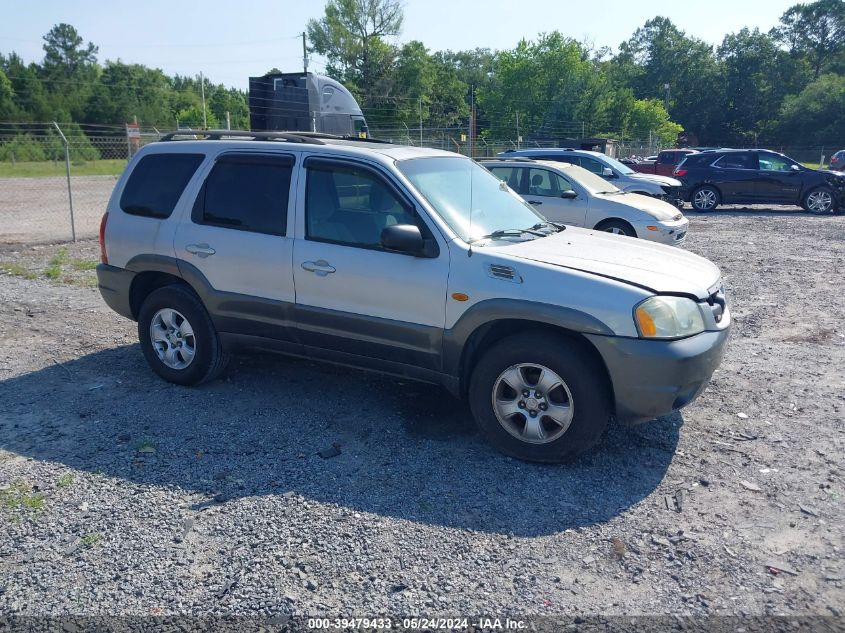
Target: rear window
<point x="247" y="193"/>
<point x="157" y="182"/>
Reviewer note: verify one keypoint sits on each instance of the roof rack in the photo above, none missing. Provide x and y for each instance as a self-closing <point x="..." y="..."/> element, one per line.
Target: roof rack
<point x="312" y="138"/>
<point x="513" y="159"/>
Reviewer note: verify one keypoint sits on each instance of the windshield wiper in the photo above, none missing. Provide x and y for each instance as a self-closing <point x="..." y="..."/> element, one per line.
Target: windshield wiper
<point x="555" y="225"/>
<point x="508" y="233"/>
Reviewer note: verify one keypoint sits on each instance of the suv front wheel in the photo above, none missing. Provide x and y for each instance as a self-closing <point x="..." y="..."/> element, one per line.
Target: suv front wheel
<point x="819" y="200"/>
<point x="178" y="338"/>
<point x="540" y="397"/>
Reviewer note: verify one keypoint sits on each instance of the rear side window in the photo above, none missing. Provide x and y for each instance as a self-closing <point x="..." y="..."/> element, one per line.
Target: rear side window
<point x="736" y="161"/>
<point x="247" y="193"/>
<point x="157" y="182"/>
<point x="666" y="158"/>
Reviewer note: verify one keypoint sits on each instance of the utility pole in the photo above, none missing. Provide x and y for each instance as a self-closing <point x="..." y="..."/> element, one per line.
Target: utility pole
<point x="421" y="141"/>
<point x="304" y="54"/>
<point x="228" y="121"/>
<point x="666" y="88"/>
<point x="518" y="139"/>
<point x="204" y="115"/>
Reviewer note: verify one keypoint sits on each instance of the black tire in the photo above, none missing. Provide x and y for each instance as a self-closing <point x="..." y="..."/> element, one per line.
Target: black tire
<point x="807" y="202"/>
<point x="209" y="357"/>
<point x="705" y="198"/>
<point x="575" y="363"/>
<point x="619" y="227"/>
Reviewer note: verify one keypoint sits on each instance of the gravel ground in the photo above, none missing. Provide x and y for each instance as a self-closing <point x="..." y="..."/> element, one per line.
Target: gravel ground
<point x="122" y="494"/>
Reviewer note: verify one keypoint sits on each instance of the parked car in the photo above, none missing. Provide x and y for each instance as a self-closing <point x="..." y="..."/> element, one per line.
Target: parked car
<point x="566" y="193"/>
<point x="750" y="176"/>
<point x="665" y="162"/>
<point x="621" y="175"/>
<point x="411" y="261"/>
<point x="837" y="161"/>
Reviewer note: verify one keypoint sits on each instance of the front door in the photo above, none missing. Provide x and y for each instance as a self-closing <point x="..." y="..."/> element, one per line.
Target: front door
<point x="237" y="238"/>
<point x="544" y="189"/>
<point x="352" y="295"/>
<point x="777" y="179"/>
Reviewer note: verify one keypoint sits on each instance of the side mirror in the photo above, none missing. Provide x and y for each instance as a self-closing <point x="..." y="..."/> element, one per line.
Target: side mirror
<point x="403" y="238"/>
<point x="607" y="172"/>
<point x="794" y="168"/>
<point x="569" y="194"/>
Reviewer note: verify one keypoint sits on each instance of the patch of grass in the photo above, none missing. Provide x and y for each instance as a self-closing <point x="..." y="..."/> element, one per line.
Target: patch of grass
<point x="83" y="264"/>
<point x="17" y="270"/>
<point x="54" y="266"/>
<point x="20" y="495"/>
<point x="90" y="540"/>
<point x="64" y="481"/>
<point x="145" y="446"/>
<point x="47" y="169"/>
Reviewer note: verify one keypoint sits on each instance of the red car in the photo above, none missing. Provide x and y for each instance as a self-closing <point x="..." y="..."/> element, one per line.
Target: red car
<point x="837" y="161"/>
<point x="666" y="162"/>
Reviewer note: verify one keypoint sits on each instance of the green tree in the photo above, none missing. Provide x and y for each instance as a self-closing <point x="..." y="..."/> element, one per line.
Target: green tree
<point x="816" y="30"/>
<point x="648" y="117"/>
<point x="350" y="35"/>
<point x="8" y="109"/>
<point x="659" y="53"/>
<point x="124" y="92"/>
<point x="551" y="85"/>
<point x="28" y="94"/>
<point x="65" y="55"/>
<point x="815" y="116"/>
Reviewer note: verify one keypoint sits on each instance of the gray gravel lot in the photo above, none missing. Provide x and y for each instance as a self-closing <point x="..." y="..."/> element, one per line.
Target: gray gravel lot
<point x="122" y="494"/>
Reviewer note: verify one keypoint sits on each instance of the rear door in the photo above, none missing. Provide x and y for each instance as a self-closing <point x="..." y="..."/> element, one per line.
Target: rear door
<point x="735" y="174"/>
<point x="237" y="242"/>
<point x="352" y="295"/>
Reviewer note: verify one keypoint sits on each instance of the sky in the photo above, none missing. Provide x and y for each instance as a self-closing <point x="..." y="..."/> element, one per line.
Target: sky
<point x="229" y="41"/>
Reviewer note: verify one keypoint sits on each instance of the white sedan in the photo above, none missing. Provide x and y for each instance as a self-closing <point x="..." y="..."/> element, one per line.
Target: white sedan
<point x="572" y="195"/>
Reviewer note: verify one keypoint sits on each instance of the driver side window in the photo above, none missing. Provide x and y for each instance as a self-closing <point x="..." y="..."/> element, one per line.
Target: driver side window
<point x="772" y="162"/>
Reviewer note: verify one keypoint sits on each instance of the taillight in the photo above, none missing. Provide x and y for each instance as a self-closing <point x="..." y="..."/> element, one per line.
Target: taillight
<point x="104" y="258"/>
<point x="679" y="172"/>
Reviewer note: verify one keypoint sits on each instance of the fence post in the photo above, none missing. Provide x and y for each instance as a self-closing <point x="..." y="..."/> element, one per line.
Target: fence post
<point x="67" y="170"/>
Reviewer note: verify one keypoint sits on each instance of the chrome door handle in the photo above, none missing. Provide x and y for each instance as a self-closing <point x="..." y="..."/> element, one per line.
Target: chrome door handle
<point x="536" y="203"/>
<point x="321" y="267"/>
<point x="201" y="250"/>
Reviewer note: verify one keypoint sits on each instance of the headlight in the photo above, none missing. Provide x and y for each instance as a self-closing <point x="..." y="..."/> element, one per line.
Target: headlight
<point x="668" y="317"/>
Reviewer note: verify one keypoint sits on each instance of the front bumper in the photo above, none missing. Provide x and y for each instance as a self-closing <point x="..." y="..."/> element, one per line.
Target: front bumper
<point x="114" y="284"/>
<point x="653" y="378"/>
<point x="669" y="233"/>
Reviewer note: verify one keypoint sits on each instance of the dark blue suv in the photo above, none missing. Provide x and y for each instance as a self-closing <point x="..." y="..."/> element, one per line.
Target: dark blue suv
<point x="750" y="176"/>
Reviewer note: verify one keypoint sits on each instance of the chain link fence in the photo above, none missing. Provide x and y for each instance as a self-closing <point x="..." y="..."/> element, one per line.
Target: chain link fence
<point x="56" y="179"/>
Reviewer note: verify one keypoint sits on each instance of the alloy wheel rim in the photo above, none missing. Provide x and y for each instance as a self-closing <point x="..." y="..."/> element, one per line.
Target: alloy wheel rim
<point x="532" y="403"/>
<point x="705" y="199"/>
<point x="820" y="201"/>
<point x="173" y="338"/>
<point x="615" y="230"/>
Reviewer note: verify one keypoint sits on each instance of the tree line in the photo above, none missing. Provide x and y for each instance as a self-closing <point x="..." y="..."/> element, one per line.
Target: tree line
<point x="785" y="86"/>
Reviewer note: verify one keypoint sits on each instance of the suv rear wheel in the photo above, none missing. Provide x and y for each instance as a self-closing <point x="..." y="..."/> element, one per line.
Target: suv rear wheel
<point x="819" y="200"/>
<point x="540" y="397"/>
<point x="705" y="198"/>
<point x="178" y="338"/>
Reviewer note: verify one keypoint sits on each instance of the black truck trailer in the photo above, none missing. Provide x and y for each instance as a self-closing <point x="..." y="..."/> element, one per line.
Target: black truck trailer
<point x="303" y="102"/>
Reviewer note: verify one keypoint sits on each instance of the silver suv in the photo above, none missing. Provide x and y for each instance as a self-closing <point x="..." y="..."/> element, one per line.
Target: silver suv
<point x="414" y="262"/>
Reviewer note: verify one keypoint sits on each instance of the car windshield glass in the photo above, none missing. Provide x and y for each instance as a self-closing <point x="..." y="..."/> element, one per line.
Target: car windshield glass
<point x="615" y="164"/>
<point x="458" y="188"/>
<point x="590" y="181"/>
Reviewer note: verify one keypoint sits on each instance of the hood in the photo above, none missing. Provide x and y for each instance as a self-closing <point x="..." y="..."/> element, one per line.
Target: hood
<point x="661" y="180"/>
<point x="659" y="268"/>
<point x="656" y="208"/>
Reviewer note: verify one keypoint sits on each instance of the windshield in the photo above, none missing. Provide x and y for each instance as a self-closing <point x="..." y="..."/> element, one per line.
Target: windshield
<point x="615" y="164"/>
<point x="471" y="200"/>
<point x="590" y="181"/>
